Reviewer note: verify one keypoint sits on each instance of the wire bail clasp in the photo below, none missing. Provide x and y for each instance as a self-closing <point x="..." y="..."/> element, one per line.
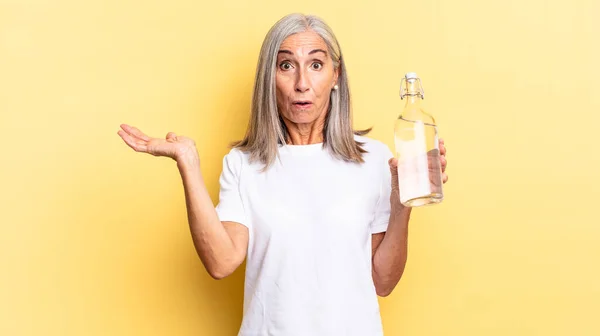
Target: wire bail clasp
<point x="404" y="88"/>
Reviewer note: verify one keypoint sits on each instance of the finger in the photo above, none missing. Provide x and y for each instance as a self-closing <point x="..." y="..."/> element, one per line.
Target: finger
<point x="444" y="178"/>
<point x="442" y="145"/>
<point x="136" y="145"/>
<point x="443" y="162"/>
<point x="139" y="134"/>
<point x="135" y="132"/>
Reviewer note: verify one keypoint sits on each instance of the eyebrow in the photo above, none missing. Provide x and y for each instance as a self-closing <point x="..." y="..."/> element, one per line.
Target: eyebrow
<point x="318" y="50"/>
<point x="285" y="51"/>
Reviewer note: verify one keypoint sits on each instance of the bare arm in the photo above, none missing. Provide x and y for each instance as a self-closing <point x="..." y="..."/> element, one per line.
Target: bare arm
<point x="390" y="248"/>
<point x="221" y="246"/>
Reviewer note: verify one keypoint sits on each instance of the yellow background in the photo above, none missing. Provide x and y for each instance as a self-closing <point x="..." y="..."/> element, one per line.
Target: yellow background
<point x="94" y="238"/>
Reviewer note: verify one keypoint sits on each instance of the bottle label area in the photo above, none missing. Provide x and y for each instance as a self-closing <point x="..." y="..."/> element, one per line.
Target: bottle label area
<point x="419" y="167"/>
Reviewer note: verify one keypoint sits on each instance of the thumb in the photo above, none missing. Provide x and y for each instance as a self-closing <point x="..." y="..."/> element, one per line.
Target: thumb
<point x="171" y="136"/>
<point x="393" y="162"/>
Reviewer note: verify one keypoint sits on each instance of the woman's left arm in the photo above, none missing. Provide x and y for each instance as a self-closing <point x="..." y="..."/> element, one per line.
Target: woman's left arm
<point x="390" y="247"/>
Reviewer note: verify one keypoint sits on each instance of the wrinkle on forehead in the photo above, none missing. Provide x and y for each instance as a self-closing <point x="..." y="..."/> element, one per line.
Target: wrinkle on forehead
<point x="302" y="43"/>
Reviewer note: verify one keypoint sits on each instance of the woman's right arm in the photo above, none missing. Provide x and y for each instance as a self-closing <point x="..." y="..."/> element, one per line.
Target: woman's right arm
<point x="221" y="246"/>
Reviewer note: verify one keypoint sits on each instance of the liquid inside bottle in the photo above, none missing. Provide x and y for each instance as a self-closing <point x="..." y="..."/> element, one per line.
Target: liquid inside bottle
<point x="417" y="149"/>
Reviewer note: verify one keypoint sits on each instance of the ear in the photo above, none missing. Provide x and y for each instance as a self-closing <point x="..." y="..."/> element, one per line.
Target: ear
<point x="336" y="74"/>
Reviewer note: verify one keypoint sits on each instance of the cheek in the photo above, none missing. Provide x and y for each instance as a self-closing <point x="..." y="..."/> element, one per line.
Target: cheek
<point x="283" y="86"/>
<point x="280" y="94"/>
<point x="323" y="85"/>
<point x="323" y="94"/>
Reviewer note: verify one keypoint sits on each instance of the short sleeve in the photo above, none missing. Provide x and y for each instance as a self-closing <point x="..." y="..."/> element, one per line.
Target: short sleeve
<point x="382" y="209"/>
<point x="231" y="206"/>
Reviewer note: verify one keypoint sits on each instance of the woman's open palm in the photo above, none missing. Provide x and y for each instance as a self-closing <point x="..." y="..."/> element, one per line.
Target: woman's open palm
<point x="172" y="146"/>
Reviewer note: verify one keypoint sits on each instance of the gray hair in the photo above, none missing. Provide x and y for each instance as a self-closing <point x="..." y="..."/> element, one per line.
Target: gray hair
<point x="266" y="129"/>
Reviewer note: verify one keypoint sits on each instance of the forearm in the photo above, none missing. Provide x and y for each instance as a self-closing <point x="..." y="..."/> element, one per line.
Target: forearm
<point x="211" y="240"/>
<point x="390" y="257"/>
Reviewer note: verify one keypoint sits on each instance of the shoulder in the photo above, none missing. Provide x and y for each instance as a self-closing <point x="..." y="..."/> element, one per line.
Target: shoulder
<point x="234" y="160"/>
<point x="236" y="154"/>
<point x="375" y="149"/>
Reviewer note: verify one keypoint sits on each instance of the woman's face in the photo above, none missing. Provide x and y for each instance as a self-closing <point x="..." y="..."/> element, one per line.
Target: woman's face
<point x="305" y="78"/>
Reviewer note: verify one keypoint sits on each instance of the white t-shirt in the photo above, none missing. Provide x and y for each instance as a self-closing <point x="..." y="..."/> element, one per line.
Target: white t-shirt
<point x="310" y="218"/>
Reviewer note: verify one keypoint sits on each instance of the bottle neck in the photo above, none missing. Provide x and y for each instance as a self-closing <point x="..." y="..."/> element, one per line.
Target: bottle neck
<point x="413" y="92"/>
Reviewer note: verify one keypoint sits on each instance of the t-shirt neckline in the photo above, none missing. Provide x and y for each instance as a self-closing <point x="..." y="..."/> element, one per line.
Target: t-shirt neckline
<point x="310" y="148"/>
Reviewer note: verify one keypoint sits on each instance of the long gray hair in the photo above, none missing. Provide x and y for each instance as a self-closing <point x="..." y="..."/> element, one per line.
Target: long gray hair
<point x="266" y="129"/>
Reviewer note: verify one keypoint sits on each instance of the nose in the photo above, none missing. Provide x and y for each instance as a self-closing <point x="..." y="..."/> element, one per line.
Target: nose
<point x="302" y="81"/>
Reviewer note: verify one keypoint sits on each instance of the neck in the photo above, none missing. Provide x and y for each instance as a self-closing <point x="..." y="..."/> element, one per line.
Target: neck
<point x="304" y="134"/>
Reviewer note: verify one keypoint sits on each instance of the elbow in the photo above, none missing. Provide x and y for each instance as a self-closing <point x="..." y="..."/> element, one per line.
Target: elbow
<point x="218" y="276"/>
<point x="222" y="269"/>
<point x="384" y="285"/>
<point x="219" y="273"/>
<point x="219" y="269"/>
<point x="386" y="281"/>
<point x="383" y="291"/>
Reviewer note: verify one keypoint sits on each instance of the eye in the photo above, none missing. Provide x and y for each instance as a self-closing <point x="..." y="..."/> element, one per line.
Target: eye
<point x="285" y="65"/>
<point x="317" y="65"/>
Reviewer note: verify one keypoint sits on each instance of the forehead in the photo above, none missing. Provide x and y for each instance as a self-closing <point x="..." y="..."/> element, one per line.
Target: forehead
<point x="303" y="42"/>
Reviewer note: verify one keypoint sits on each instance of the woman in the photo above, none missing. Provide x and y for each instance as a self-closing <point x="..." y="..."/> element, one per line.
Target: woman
<point x="310" y="204"/>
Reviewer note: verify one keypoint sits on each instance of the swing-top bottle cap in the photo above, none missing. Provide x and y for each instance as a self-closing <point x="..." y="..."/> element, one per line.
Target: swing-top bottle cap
<point x="412" y="79"/>
<point x="411" y="75"/>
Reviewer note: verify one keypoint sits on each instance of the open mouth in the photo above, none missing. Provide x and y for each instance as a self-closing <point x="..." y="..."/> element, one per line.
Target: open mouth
<point x="302" y="103"/>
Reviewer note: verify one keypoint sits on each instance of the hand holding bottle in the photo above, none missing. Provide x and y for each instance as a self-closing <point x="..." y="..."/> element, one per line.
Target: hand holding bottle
<point x="393" y="162"/>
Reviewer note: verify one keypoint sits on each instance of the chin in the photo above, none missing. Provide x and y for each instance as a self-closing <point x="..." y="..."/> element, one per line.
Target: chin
<point x="302" y="117"/>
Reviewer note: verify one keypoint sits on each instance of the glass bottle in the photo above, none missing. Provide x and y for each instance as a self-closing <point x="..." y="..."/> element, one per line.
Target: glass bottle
<point x="417" y="148"/>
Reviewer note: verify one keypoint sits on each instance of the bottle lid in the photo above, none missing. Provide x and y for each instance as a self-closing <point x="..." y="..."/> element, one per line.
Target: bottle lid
<point x="411" y="75"/>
